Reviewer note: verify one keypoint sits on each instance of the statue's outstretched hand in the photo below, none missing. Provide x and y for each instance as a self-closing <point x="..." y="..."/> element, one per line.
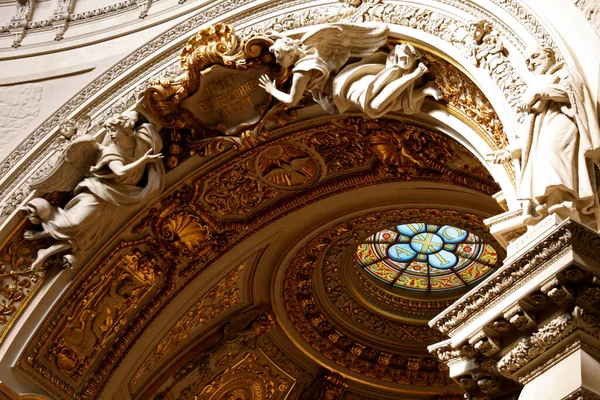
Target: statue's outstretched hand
<point x="266" y="83"/>
<point x="498" y="156"/>
<point x="149" y="157"/>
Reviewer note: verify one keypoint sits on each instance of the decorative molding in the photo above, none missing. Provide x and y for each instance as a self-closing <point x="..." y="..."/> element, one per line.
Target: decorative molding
<point x="7" y="393"/>
<point x="209" y="373"/>
<point x="530" y="347"/>
<point x="385" y="301"/>
<point x="74" y="356"/>
<point x="222" y="297"/>
<point x="591" y="11"/>
<point x="582" y="394"/>
<point x="568" y="350"/>
<point x="18" y="281"/>
<point x="568" y="235"/>
<point x="20" y="21"/>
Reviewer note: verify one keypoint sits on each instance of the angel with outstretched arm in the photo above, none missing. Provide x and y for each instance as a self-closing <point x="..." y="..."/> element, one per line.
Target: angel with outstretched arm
<point x="104" y="178"/>
<point x="378" y="83"/>
<point x="319" y="55"/>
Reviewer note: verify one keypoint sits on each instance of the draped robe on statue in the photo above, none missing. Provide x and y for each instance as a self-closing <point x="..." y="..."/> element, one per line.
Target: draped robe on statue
<point x="363" y="84"/>
<point x="102" y="196"/>
<point x="562" y="144"/>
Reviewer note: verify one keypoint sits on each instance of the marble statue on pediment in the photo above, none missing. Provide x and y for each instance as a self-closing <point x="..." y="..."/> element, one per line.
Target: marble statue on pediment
<point x="559" y="149"/>
<point x="121" y="173"/>
<point x="377" y="84"/>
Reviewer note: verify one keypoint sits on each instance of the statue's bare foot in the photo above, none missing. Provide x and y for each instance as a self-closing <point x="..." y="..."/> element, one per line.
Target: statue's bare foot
<point x="40" y="260"/>
<point x="43" y="254"/>
<point x="35" y="235"/>
<point x="431" y="90"/>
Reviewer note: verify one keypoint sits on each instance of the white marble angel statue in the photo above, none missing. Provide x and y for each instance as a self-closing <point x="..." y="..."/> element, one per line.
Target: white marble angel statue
<point x="377" y="84"/>
<point x="121" y="174"/>
<point x="560" y="148"/>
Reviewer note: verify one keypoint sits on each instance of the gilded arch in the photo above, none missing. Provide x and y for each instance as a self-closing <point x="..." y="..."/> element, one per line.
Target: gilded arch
<point x="210" y="235"/>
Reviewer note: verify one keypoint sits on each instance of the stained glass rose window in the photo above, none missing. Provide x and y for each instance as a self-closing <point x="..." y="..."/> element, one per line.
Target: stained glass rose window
<point x="426" y="257"/>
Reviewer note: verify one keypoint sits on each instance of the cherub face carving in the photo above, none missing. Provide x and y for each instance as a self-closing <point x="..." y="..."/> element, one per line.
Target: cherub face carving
<point x="286" y="53"/>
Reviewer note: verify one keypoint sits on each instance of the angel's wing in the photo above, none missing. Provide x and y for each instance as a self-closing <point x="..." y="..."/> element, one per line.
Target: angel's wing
<point x="336" y="43"/>
<point x="72" y="167"/>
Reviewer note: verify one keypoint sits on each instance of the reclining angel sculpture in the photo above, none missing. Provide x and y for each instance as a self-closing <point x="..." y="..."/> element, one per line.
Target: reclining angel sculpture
<point x="122" y="173"/>
<point x="377" y="84"/>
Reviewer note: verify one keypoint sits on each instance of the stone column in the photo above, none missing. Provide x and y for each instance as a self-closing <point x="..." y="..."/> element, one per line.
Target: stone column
<point x="531" y="330"/>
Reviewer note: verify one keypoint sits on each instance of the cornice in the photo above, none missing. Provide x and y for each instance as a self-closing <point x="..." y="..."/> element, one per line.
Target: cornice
<point x="568" y="235"/>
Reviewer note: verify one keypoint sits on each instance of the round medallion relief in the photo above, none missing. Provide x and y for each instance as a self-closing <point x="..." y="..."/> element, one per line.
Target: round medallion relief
<point x="287" y="166"/>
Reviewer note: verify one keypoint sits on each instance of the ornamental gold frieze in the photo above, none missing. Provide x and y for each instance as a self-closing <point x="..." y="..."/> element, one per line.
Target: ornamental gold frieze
<point x="319" y="158"/>
<point x="200" y="371"/>
<point x="18" y="282"/>
<point x="75" y="351"/>
<point x="220" y="299"/>
<point x="377" y="357"/>
<point x="463" y="97"/>
<point x="254" y="377"/>
<point x="184" y="237"/>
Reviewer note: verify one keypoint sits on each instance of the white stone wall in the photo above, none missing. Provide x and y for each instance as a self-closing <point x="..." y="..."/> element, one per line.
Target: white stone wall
<point x="19" y="108"/>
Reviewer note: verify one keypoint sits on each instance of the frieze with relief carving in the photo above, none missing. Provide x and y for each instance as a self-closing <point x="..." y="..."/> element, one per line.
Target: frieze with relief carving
<point x="222" y="297"/>
<point x="463" y="97"/>
<point x="100" y="319"/>
<point x="236" y="363"/>
<point x="250" y="379"/>
<point x="102" y="313"/>
<point x="18" y="282"/>
<point x="327" y="153"/>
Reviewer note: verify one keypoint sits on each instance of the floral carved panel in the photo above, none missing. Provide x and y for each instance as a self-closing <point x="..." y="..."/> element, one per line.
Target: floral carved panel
<point x="96" y="322"/>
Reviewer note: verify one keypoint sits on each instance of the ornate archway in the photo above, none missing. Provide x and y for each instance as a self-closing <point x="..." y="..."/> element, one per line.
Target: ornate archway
<point x="242" y="279"/>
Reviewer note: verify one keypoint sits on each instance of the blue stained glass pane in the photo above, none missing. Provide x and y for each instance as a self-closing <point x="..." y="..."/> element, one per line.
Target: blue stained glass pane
<point x="426" y="257"/>
<point x="426" y="243"/>
<point x="442" y="259"/>
<point x="432" y="228"/>
<point x="411" y="229"/>
<point x="401" y="252"/>
<point x="452" y="234"/>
